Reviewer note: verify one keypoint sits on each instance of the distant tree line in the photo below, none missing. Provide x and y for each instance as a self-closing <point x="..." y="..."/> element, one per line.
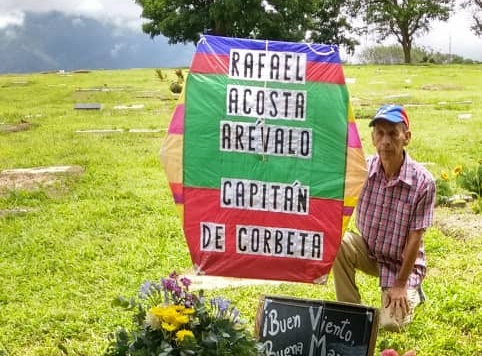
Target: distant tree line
<point x="393" y="54"/>
<point x="326" y="21"/>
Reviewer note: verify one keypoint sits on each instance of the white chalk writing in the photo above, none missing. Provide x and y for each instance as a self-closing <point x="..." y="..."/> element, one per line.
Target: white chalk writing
<point x="296" y="349"/>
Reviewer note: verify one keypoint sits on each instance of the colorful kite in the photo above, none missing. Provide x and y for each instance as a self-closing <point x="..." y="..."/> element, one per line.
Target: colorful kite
<point x="264" y="159"/>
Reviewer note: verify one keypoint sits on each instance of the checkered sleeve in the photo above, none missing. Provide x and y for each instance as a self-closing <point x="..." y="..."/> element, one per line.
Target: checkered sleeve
<point x="423" y="211"/>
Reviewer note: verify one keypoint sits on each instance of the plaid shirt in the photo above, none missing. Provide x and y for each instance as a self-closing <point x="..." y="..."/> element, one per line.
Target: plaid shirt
<point x="388" y="210"/>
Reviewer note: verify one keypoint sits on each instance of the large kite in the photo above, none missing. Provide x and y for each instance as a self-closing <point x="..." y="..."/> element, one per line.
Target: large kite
<point x="264" y="159"/>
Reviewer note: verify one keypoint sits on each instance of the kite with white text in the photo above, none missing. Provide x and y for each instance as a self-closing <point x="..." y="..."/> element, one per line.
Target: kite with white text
<point x="264" y="159"/>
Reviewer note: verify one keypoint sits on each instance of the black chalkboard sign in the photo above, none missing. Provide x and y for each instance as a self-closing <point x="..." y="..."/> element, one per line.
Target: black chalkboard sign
<point x="291" y="326"/>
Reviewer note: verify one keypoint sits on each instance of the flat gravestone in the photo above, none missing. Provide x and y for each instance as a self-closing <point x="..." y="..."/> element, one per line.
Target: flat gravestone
<point x="129" y="107"/>
<point x="145" y="130"/>
<point x="20" y="82"/>
<point x="43" y="170"/>
<point x="395" y="96"/>
<point x="465" y="116"/>
<point x="101" y="89"/>
<point x="409" y="105"/>
<point x="106" y="131"/>
<point x="151" y="94"/>
<point x="13" y="212"/>
<point x="88" y="89"/>
<point x="88" y="106"/>
<point x="467" y="102"/>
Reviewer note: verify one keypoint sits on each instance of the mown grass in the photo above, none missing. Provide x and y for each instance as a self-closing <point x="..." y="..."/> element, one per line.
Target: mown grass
<point x="95" y="236"/>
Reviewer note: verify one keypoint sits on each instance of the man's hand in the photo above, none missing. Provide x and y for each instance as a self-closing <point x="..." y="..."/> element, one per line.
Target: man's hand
<point x="397" y="300"/>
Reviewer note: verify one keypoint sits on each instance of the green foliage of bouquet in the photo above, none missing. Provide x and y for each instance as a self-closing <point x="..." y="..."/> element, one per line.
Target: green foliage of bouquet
<point x="170" y="320"/>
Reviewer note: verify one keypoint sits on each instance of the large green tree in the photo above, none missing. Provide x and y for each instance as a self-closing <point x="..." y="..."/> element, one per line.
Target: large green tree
<point x="475" y="7"/>
<point x="403" y="19"/>
<point x="183" y="21"/>
<point x="332" y="23"/>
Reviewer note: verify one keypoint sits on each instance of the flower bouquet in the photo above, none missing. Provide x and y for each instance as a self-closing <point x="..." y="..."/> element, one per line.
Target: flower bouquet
<point x="170" y="320"/>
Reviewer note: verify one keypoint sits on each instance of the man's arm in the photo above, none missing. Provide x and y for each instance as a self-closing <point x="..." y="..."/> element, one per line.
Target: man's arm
<point x="397" y="296"/>
<point x="410" y="253"/>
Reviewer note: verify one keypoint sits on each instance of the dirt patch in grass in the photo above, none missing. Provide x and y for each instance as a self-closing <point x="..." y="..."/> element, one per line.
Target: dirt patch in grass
<point x="32" y="179"/>
<point x="21" y="126"/>
<point x="460" y="223"/>
<point x="441" y="87"/>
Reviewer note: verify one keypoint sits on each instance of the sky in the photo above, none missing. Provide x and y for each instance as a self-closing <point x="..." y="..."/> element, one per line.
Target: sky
<point x="453" y="36"/>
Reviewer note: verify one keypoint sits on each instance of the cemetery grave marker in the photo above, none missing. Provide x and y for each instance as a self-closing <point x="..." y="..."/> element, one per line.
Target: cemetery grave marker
<point x="88" y="106"/>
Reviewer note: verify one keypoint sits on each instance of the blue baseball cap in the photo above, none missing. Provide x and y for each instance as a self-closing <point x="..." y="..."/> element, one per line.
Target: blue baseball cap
<point x="392" y="113"/>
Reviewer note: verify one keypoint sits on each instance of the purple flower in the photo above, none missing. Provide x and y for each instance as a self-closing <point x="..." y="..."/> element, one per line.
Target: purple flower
<point x="168" y="284"/>
<point x="186" y="282"/>
<point x="189" y="300"/>
<point x="235" y="314"/>
<point x="221" y="305"/>
<point x="173" y="275"/>
<point x="145" y="289"/>
<point x="177" y="291"/>
<point x="148" y="288"/>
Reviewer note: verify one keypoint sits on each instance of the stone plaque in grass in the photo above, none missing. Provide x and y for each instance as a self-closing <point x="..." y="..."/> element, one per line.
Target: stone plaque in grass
<point x="88" y="106"/>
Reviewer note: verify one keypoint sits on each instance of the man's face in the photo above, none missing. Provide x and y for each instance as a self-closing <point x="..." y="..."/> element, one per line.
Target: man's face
<point x="389" y="139"/>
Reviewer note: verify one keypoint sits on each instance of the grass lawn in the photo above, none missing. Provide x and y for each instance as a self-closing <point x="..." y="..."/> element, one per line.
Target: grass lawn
<point x="85" y="239"/>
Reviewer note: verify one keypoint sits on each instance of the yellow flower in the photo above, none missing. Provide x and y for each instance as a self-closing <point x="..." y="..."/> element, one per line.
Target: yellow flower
<point x="169" y="327"/>
<point x="458" y="170"/>
<point x="182" y="319"/>
<point x="188" y="311"/>
<point x="445" y="176"/>
<point x="183" y="333"/>
<point x="157" y="311"/>
<point x="166" y="313"/>
<point x="166" y="317"/>
<point x="178" y="307"/>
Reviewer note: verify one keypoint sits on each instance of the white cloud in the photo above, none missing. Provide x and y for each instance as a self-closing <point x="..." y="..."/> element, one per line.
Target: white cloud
<point x="11" y="18"/>
<point x="91" y="7"/>
<point x="120" y="12"/>
<point x="451" y="37"/>
<point x="454" y="37"/>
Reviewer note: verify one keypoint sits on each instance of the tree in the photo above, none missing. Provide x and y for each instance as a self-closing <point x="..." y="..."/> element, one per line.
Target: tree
<point x="183" y="21"/>
<point x="331" y="25"/>
<point x="403" y="19"/>
<point x="475" y="7"/>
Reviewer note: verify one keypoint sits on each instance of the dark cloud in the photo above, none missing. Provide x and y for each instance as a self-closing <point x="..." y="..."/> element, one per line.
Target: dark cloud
<point x="55" y="40"/>
<point x="123" y="13"/>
